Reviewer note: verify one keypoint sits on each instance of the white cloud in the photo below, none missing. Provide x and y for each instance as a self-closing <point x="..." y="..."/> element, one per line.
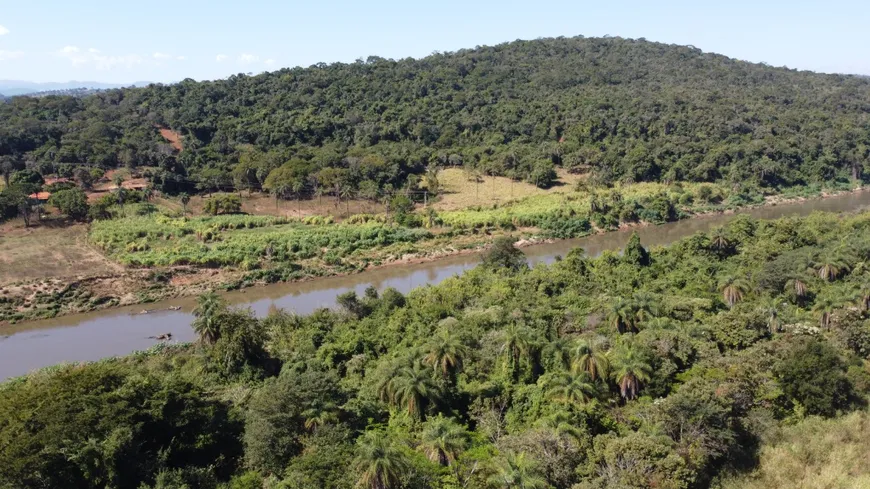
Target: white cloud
<point x="3" y="31"/>
<point x="10" y="55"/>
<point x="92" y="57"/>
<point x="221" y="57"/>
<point x="159" y="55"/>
<point x="269" y="62"/>
<point x="181" y="58"/>
<point x="246" y="59"/>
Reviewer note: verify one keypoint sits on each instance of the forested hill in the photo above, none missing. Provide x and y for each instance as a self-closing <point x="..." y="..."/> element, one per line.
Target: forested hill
<point x="625" y="109"/>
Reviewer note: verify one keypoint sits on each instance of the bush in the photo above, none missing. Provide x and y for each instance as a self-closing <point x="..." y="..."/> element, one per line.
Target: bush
<point x="812" y="374"/>
<point x="72" y="202"/>
<point x="504" y="255"/>
<point x="223" y="204"/>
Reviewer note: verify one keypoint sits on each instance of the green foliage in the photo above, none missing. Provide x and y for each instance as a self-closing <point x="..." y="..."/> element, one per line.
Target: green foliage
<point x="235" y="239"/>
<point x="503" y="255"/>
<point x="108" y="425"/>
<point x="72" y="202"/>
<point x="585" y="373"/>
<point x="812" y="374"/>
<point x="223" y="204"/>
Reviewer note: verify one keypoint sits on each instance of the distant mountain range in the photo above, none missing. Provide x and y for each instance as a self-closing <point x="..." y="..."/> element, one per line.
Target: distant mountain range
<point x="11" y="88"/>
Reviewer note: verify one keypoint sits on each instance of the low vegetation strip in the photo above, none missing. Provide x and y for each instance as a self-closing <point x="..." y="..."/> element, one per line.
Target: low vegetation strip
<point x="246" y="241"/>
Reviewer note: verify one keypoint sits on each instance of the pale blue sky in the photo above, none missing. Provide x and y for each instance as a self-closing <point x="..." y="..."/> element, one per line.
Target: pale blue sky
<point x="124" y="41"/>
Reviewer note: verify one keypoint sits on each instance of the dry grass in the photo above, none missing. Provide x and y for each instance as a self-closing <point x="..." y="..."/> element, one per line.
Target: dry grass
<point x="264" y="205"/>
<point x="814" y="454"/>
<point x="47" y="252"/>
<point x="458" y="192"/>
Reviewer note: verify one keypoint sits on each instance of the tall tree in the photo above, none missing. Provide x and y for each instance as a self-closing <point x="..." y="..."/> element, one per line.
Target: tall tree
<point x="379" y="463"/>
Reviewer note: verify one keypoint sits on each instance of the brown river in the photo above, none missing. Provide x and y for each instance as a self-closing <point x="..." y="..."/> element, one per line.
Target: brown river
<point x="120" y="331"/>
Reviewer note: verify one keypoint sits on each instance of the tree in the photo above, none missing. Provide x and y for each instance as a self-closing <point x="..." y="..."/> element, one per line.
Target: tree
<point x="445" y="353"/>
<point x="824" y="308"/>
<point x="635" y="253"/>
<point x="831" y="266"/>
<point x="223" y="204"/>
<point x="589" y="358"/>
<point x="208" y="307"/>
<point x="240" y="344"/>
<point x="770" y="308"/>
<point x="323" y="413"/>
<point x="516" y="347"/>
<point x="733" y="290"/>
<point x="380" y="464"/>
<point x="630" y="369"/>
<point x="621" y="317"/>
<point x="503" y="255"/>
<point x="719" y="240"/>
<point x="811" y="373"/>
<point x="798" y="286"/>
<point x="412" y="388"/>
<point x="575" y="388"/>
<point x="515" y="471"/>
<point x="27" y="177"/>
<point x="72" y="202"/>
<point x="645" y="306"/>
<point x="17" y="198"/>
<point x="442" y="440"/>
<point x="185" y="199"/>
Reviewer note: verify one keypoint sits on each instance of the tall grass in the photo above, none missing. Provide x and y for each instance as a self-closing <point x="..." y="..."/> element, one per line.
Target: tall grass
<point x="814" y="454"/>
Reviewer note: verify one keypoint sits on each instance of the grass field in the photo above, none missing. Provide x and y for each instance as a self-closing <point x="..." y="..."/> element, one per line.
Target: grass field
<point x="44" y="252"/>
<point x="458" y="192"/>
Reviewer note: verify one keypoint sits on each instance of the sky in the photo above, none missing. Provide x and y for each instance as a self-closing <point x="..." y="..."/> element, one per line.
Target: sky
<point x="123" y="42"/>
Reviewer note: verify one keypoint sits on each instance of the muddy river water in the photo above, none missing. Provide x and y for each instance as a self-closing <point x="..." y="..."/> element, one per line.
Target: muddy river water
<point x="119" y="331"/>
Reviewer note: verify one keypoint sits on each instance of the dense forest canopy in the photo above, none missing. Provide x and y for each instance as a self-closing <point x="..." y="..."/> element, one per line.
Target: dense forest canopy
<point x="628" y="110"/>
<point x="662" y="368"/>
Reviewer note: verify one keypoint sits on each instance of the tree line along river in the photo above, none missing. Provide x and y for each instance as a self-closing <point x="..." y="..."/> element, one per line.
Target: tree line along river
<point x="120" y="331"/>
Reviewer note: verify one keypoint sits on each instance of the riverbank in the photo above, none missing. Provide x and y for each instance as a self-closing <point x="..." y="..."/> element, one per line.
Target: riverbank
<point x="121" y="286"/>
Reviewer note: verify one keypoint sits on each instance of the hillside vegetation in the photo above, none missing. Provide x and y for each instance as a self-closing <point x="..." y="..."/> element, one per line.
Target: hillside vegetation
<point x="628" y="110"/>
<point x="814" y="454"/>
<point x="666" y="368"/>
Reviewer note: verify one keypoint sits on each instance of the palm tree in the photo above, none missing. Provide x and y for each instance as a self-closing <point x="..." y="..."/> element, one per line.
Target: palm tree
<point x="589" y="358"/>
<point x="862" y="297"/>
<point x="560" y="351"/>
<point x="733" y="290"/>
<point x="770" y="308"/>
<point x="645" y="305"/>
<point x="799" y="286"/>
<point x="562" y="424"/>
<point x="379" y="463"/>
<point x="824" y="307"/>
<point x="718" y="240"/>
<point x="831" y="266"/>
<point x="412" y="388"/>
<point x="208" y="307"/>
<point x="317" y="416"/>
<point x="571" y="388"/>
<point x="515" y="471"/>
<point x="442" y="440"/>
<point x="516" y="346"/>
<point x="621" y="317"/>
<point x="446" y="353"/>
<point x="630" y="369"/>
